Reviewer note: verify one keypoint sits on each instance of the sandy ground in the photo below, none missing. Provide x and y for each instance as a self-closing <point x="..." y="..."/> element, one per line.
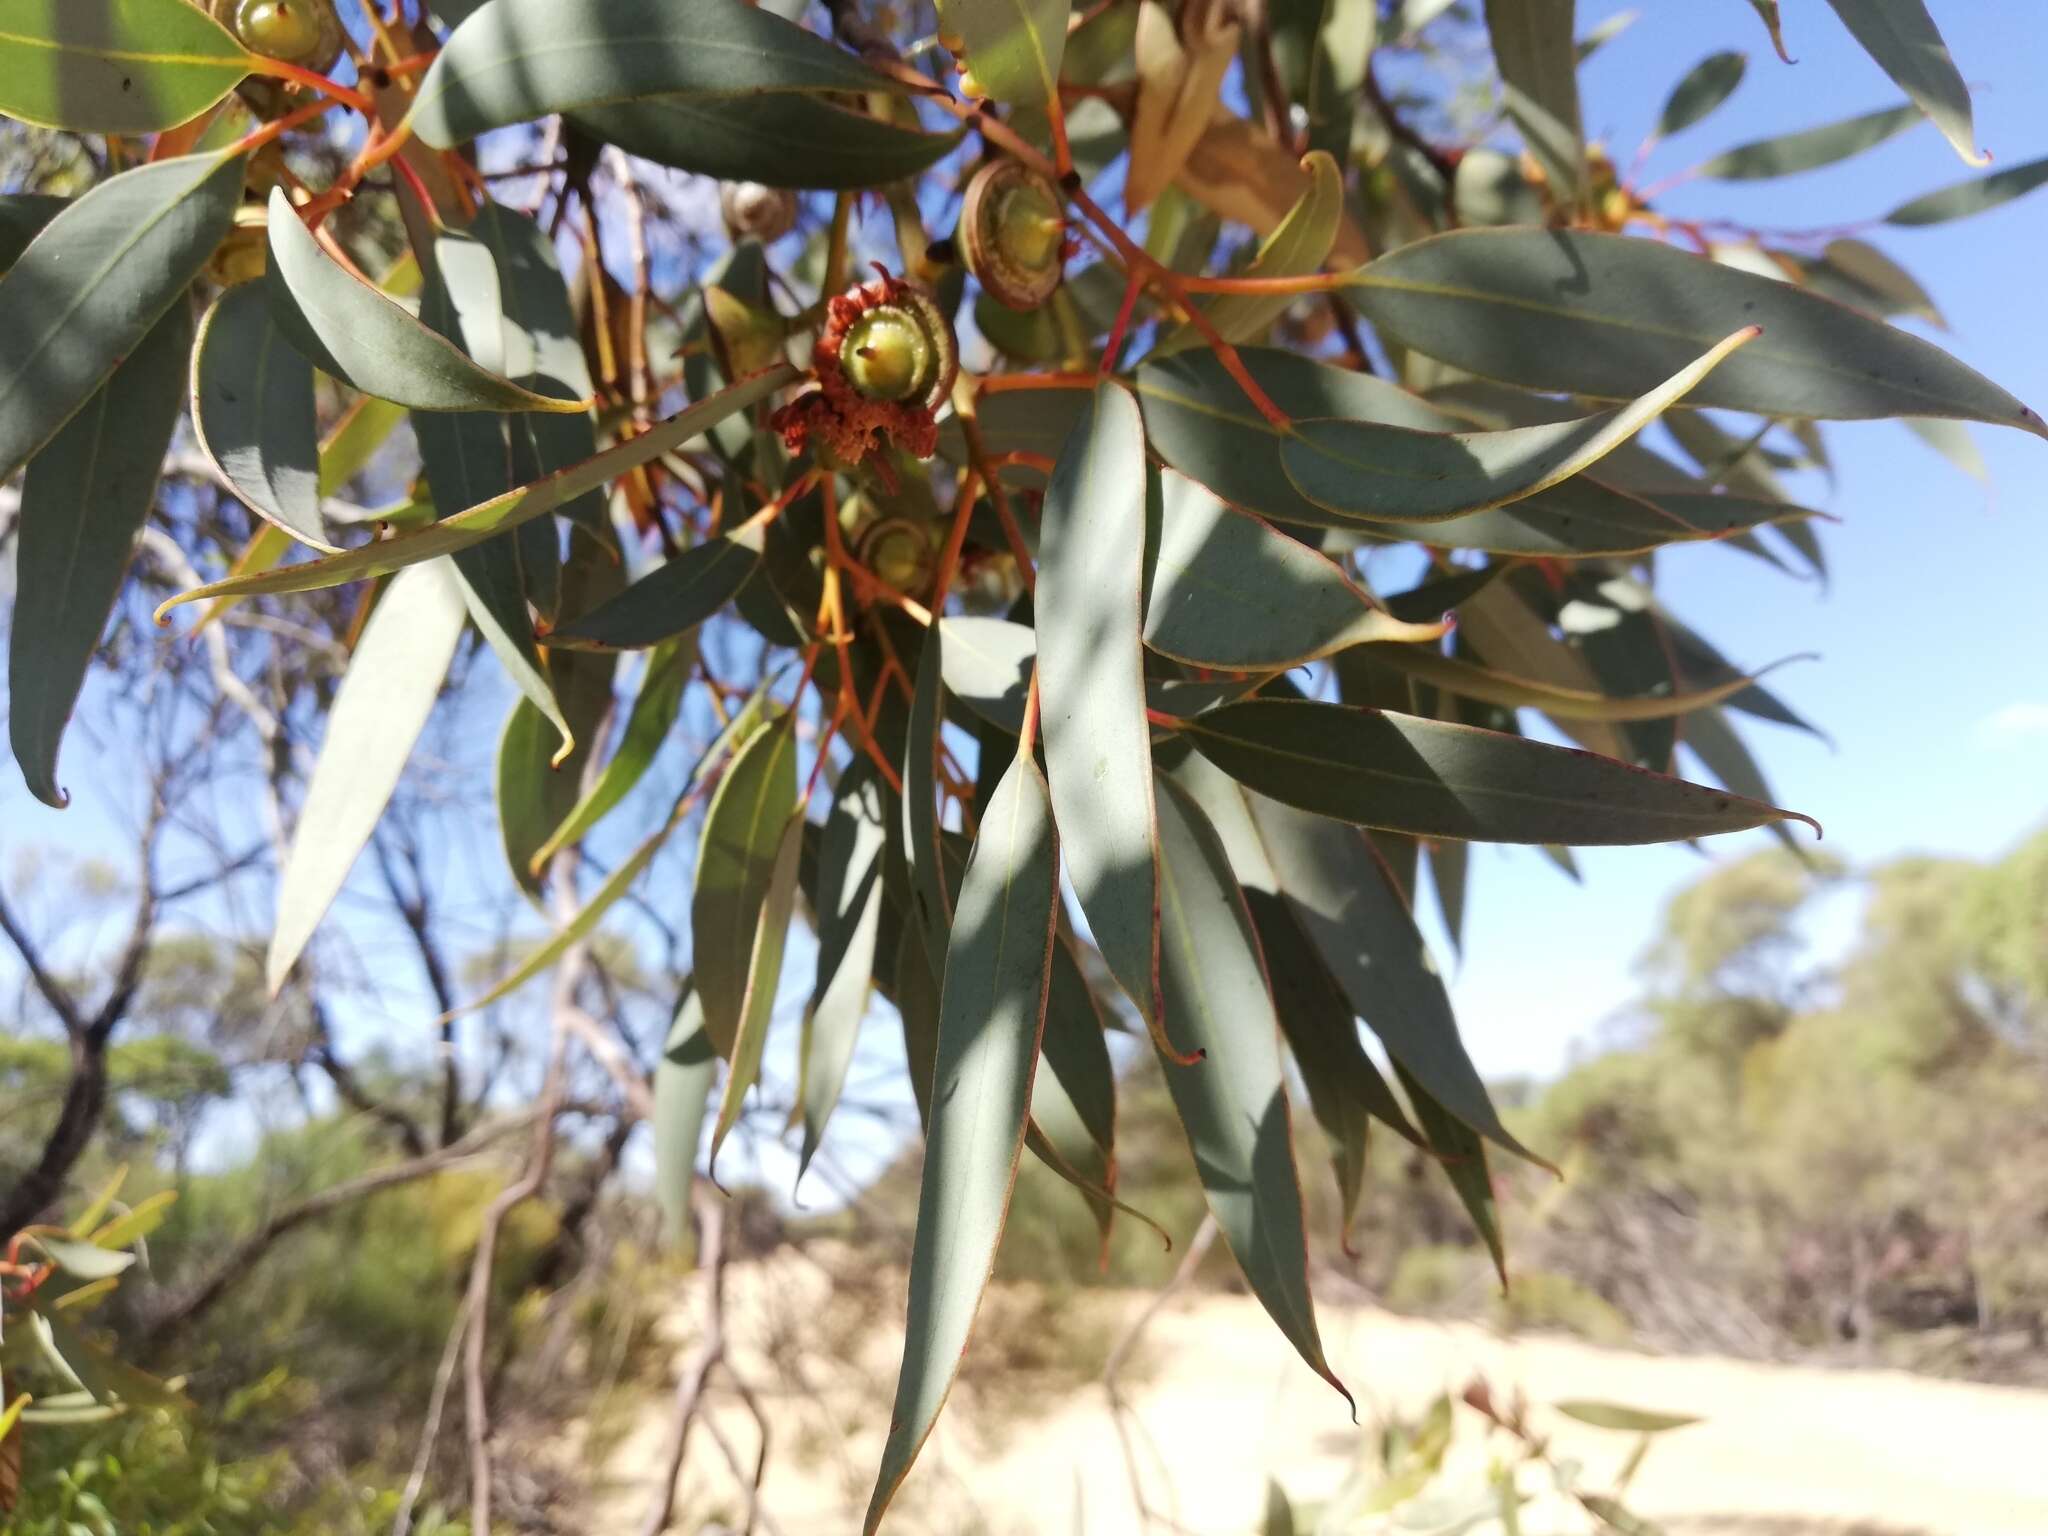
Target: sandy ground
<point x="1223" y="1405"/>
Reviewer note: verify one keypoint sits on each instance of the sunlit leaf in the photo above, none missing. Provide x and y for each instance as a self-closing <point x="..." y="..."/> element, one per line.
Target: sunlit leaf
<point x="516" y="60"/>
<point x="83" y="504"/>
<point x="253" y="413"/>
<point x="1462" y="1156"/>
<point x="1233" y="1103"/>
<point x="992" y="1015"/>
<point x="355" y="333"/>
<point x="763" y="974"/>
<point x="1406" y="774"/>
<point x="473" y="525"/>
<point x="735" y="864"/>
<point x="1229" y="591"/>
<point x="1098" y="751"/>
<point x="114" y="66"/>
<point x="682" y="1097"/>
<point x="1639" y="1421"/>
<point x="655" y="706"/>
<point x="99" y="276"/>
<point x="1496" y="687"/>
<point x="1607" y="316"/>
<point x="1902" y="37"/>
<point x="931" y="911"/>
<point x="1365" y="470"/>
<point x="849" y="917"/>
<point x="383" y="703"/>
<point x="1299" y="246"/>
<point x="1539" y="71"/>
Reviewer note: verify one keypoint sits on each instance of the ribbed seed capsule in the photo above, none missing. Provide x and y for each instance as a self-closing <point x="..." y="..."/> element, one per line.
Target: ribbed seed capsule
<point x="901" y="350"/>
<point x="1012" y="234"/>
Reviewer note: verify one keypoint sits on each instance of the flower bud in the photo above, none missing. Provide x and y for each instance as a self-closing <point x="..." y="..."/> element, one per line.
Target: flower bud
<point x="302" y="32"/>
<point x="766" y="213"/>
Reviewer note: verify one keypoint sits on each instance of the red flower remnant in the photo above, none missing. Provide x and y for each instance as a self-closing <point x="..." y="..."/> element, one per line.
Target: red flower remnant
<point x="884" y="363"/>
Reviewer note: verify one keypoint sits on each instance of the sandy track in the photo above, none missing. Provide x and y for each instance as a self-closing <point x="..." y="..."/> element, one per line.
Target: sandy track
<point x="1783" y="1451"/>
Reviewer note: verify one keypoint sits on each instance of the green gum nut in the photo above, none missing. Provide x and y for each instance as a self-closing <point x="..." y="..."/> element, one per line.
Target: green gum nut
<point x="1012" y="234"/>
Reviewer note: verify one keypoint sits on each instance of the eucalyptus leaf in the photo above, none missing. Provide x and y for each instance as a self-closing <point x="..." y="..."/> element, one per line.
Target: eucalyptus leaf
<point x="1705" y="86"/>
<point x="1539" y="71"/>
<point x="991" y="1019"/>
<point x="383" y="703"/>
<point x="783" y="140"/>
<point x="1297" y="248"/>
<point x="114" y="66"/>
<point x="763" y="974"/>
<point x="682" y="1097"/>
<point x="849" y="908"/>
<point x="1902" y="37"/>
<point x="253" y="413"/>
<point x="1968" y="197"/>
<point x="1012" y="47"/>
<point x="101" y="274"/>
<point x="1810" y="149"/>
<point x="1606" y="316"/>
<point x="83" y="504"/>
<point x="736" y="858"/>
<point x="671" y="600"/>
<point x="516" y="60"/>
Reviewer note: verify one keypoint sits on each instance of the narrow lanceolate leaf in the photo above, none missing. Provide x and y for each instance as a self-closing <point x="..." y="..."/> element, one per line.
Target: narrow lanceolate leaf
<point x="1402" y="773"/>
<point x="472" y="526"/>
<point x="1639" y="1421"/>
<point x="114" y="66"/>
<point x="991" y="1016"/>
<point x="1767" y="12"/>
<point x="83" y="503"/>
<point x="1539" y="72"/>
<point x="1297" y="248"/>
<point x="764" y="973"/>
<point x="1902" y="37"/>
<point x="382" y="705"/>
<point x="735" y="863"/>
<point x="1462" y="1156"/>
<point x="1809" y="149"/>
<point x="1233" y="1105"/>
<point x="782" y="140"/>
<point x="669" y="601"/>
<point x="1357" y="918"/>
<point x="94" y="282"/>
<point x="1968" y="197"/>
<point x="655" y="707"/>
<point x="931" y="908"/>
<point x="1098" y="748"/>
<point x="1012" y="47"/>
<point x="362" y="338"/>
<point x="1073" y="1097"/>
<point x="1364" y="470"/>
<point x="682" y="1096"/>
<point x="1231" y="591"/>
<point x="1198" y="419"/>
<point x="987" y="666"/>
<point x="849" y="916"/>
<point x="252" y="410"/>
<point x="1705" y="86"/>
<point x="1607" y="316"/>
<point x="1490" y="686"/>
<point x="516" y="60"/>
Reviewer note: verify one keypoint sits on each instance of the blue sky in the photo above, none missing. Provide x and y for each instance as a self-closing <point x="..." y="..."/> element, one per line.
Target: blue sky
<point x="1932" y="629"/>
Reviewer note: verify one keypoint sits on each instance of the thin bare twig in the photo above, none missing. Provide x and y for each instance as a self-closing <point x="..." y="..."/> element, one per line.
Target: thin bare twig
<point x="430" y="1430"/>
<point x="711" y="1219"/>
<point x="1119" y="1409"/>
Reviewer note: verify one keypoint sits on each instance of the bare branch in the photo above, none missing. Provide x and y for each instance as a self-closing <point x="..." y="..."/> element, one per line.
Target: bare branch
<point x="710" y="1351"/>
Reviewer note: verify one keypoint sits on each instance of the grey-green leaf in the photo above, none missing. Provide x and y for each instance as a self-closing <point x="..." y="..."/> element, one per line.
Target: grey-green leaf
<point x="1233" y="1104"/>
<point x="783" y="140"/>
<point x="83" y="504"/>
<point x="1365" y="470"/>
<point x="849" y="908"/>
<point x="1539" y="71"/>
<point x="1902" y="37"/>
<point x="1098" y="747"/>
<point x="473" y="525"/>
<point x="1607" y="316"/>
<point x="671" y="600"/>
<point x="655" y="707"/>
<point x="99" y="276"/>
<point x="1705" y="86"/>
<point x="764" y="974"/>
<point x="1968" y="197"/>
<point x="1640" y="1421"/>
<point x="1402" y="773"/>
<point x="253" y="412"/>
<point x="379" y="711"/>
<point x="682" y="1096"/>
<point x="1345" y="898"/>
<point x="991" y="1017"/>
<point x="353" y="332"/>
<point x="516" y="60"/>
<point x="735" y="862"/>
<point x="1233" y="592"/>
<point x="1810" y="149"/>
<point x="114" y="66"/>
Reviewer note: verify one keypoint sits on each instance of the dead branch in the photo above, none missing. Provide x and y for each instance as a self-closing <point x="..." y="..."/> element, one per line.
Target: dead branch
<point x="711" y="1218"/>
